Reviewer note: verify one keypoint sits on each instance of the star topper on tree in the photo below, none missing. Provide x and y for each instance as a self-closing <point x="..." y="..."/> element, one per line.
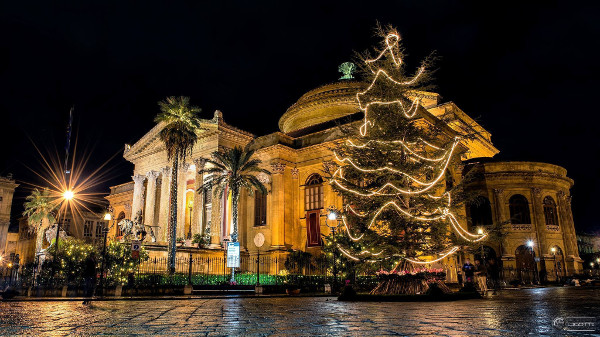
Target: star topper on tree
<point x="394" y="170"/>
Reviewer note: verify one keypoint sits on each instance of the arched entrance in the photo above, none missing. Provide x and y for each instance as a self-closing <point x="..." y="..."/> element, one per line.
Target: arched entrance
<point x="525" y="263"/>
<point x="558" y="260"/>
<point x="488" y="254"/>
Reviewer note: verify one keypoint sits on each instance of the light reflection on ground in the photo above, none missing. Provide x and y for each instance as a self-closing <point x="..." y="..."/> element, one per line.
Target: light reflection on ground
<point x="512" y="313"/>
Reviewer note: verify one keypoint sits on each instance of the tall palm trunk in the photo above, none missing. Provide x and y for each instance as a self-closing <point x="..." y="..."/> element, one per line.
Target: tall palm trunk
<point x="39" y="239"/>
<point x="172" y="227"/>
<point x="235" y="196"/>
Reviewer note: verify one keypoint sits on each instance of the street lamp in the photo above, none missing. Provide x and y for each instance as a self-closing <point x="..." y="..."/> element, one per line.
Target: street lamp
<point x="333" y="215"/>
<point x="553" y="250"/>
<point x="107" y="217"/>
<point x="68" y="195"/>
<point x="480" y="232"/>
<point x="530" y="244"/>
<point x="190" y="205"/>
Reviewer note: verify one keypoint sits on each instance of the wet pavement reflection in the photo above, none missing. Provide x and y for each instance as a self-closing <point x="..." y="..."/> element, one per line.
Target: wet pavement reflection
<point x="511" y="313"/>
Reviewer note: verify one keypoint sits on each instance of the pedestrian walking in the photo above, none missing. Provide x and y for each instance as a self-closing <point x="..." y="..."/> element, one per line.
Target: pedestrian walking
<point x="493" y="271"/>
<point x="481" y="273"/>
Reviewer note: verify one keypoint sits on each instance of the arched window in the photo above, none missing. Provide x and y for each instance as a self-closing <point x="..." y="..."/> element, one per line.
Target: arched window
<point x="519" y="209"/>
<point x="313" y="194"/>
<point x="550" y="212"/>
<point x="481" y="212"/>
<point x="119" y="218"/>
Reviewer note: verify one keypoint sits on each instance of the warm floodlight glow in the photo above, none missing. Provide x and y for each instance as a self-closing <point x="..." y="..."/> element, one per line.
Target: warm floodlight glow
<point x="107" y="217"/>
<point x="332" y="215"/>
<point x="480" y="231"/>
<point x="530" y="243"/>
<point x="553" y="249"/>
<point x="68" y="195"/>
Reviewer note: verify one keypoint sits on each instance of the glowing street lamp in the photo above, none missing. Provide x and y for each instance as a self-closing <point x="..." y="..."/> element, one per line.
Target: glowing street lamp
<point x="68" y="195"/>
<point x="553" y="250"/>
<point x="530" y="244"/>
<point x="333" y="216"/>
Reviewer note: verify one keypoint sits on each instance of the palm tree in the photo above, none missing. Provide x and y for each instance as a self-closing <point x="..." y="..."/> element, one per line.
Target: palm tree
<point x="179" y="135"/>
<point x="231" y="171"/>
<point x="39" y="210"/>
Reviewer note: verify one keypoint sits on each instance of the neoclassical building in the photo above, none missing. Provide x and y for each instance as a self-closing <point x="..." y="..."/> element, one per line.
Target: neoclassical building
<point x="533" y="199"/>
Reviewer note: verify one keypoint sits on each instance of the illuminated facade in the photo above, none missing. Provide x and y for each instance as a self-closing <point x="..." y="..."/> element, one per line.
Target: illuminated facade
<point x="293" y="215"/>
<point x="7" y="189"/>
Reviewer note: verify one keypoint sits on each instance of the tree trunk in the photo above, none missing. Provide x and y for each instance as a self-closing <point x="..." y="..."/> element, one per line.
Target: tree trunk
<point x="235" y="196"/>
<point x="39" y="239"/>
<point x="172" y="227"/>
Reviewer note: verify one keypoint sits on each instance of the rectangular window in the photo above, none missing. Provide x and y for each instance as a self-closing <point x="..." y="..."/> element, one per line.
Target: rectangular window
<point x="87" y="228"/>
<point x="313" y="197"/>
<point x="66" y="226"/>
<point x="260" y="209"/>
<point x="99" y="226"/>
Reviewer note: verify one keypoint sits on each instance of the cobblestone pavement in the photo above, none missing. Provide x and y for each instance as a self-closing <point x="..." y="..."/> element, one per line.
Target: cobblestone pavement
<point x="511" y="313"/>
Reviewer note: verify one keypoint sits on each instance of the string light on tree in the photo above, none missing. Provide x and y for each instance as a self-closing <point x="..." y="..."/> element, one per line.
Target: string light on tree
<point x="392" y="172"/>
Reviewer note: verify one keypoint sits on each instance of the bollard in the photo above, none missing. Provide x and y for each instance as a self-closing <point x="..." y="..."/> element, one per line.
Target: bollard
<point x="187" y="290"/>
<point x="258" y="290"/>
<point x="64" y="291"/>
<point x="118" y="290"/>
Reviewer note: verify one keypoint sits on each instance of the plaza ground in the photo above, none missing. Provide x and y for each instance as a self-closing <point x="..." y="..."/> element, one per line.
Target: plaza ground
<point x="510" y="313"/>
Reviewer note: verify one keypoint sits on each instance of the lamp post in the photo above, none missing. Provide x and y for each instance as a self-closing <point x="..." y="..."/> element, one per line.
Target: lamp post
<point x="334" y="217"/>
<point x="190" y="205"/>
<point x="553" y="250"/>
<point x="68" y="195"/>
<point x="480" y="232"/>
<point x="530" y="244"/>
<point x="107" y="217"/>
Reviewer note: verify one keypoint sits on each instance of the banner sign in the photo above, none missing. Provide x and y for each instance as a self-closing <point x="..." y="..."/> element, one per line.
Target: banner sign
<point x="233" y="254"/>
<point x="135" y="249"/>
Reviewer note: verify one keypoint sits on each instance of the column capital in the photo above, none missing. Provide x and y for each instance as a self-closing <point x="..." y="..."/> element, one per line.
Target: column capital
<point x="498" y="191"/>
<point x="278" y="168"/>
<point x="184" y="166"/>
<point x="328" y="166"/>
<point x="562" y="194"/>
<point x="295" y="173"/>
<point x="536" y="191"/>
<point x="166" y="171"/>
<point x="152" y="175"/>
<point x="138" y="178"/>
<point x="200" y="163"/>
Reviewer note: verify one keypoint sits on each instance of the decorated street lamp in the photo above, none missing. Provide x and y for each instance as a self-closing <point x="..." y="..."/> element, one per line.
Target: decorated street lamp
<point x="530" y="244"/>
<point x="107" y="217"/>
<point x="333" y="223"/>
<point x="553" y="250"/>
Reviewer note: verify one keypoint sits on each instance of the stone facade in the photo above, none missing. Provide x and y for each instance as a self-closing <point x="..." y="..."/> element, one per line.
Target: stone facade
<point x="7" y="189"/>
<point x="297" y="158"/>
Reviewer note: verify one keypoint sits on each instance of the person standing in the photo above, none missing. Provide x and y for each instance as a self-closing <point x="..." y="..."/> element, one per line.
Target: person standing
<point x="481" y="273"/>
<point x="469" y="270"/>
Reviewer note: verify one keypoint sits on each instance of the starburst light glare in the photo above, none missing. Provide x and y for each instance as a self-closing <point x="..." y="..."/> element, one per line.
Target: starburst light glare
<point x="68" y="195"/>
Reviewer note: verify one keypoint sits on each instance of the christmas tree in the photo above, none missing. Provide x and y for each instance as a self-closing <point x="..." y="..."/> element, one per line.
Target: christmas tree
<point x="400" y="203"/>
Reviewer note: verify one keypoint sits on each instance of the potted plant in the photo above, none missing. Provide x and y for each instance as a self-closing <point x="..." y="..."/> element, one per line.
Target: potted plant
<point x="180" y="241"/>
<point x="199" y="240"/>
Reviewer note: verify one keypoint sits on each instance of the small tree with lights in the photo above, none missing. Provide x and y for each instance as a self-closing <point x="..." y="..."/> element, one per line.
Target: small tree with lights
<point x="392" y="173"/>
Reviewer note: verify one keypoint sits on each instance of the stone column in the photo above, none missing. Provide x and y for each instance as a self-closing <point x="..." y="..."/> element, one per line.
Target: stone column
<point x="539" y="226"/>
<point x="138" y="194"/>
<point x="277" y="210"/>
<point x="539" y="221"/>
<point x="216" y="225"/>
<point x="198" y="210"/>
<point x="181" y="205"/>
<point x="149" y="218"/>
<point x="499" y="208"/>
<point x="163" y="216"/>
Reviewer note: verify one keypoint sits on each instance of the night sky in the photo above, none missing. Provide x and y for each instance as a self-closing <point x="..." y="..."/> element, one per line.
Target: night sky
<point x="527" y="73"/>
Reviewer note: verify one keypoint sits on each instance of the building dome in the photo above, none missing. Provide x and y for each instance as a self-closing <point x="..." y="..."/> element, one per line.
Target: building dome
<point x="320" y="105"/>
